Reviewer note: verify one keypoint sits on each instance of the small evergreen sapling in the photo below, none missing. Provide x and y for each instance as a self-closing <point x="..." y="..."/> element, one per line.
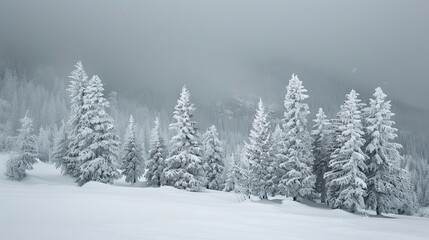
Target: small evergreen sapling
<point x="132" y="160"/>
<point x="15" y="168"/>
<point x="232" y="174"/>
<point x="409" y="204"/>
<point x="156" y="160"/>
<point x="242" y="174"/>
<point x="59" y="151"/>
<point x="213" y="159"/>
<point x="43" y="144"/>
<point x="26" y="151"/>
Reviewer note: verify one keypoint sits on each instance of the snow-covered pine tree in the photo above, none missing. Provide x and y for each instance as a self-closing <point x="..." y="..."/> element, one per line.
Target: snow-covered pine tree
<point x="322" y="148"/>
<point x="15" y="168"/>
<point x="346" y="176"/>
<point x="242" y="174"/>
<point x="100" y="145"/>
<point x="409" y="204"/>
<point x="257" y="153"/>
<point x="27" y="142"/>
<point x="416" y="172"/>
<point x="156" y="160"/>
<point x="132" y="160"/>
<point x="59" y="151"/>
<point x="26" y="151"/>
<point x="43" y="144"/>
<point x="336" y="146"/>
<point x="383" y="165"/>
<point x="276" y="156"/>
<point x="184" y="168"/>
<point x="232" y="174"/>
<point x="78" y="84"/>
<point x="4" y="131"/>
<point x="213" y="159"/>
<point x="296" y="158"/>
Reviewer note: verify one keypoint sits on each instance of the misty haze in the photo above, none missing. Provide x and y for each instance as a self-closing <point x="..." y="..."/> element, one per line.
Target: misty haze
<point x="233" y="119"/>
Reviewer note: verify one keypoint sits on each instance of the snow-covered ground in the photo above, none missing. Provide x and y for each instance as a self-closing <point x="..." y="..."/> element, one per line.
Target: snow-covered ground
<point x="47" y="206"/>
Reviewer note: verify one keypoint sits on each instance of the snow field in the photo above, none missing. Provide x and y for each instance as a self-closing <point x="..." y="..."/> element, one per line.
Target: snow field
<point x="47" y="206"/>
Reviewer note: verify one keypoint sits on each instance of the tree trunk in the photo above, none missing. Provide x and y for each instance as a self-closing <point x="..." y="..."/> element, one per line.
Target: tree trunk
<point x="378" y="210"/>
<point x="323" y="197"/>
<point x="378" y="207"/>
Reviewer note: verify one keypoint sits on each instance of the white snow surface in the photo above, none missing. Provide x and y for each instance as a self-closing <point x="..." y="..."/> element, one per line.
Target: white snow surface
<point x="47" y="206"/>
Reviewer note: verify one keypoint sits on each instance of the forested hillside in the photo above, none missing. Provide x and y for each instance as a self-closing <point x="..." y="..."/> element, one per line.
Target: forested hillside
<point x="44" y="95"/>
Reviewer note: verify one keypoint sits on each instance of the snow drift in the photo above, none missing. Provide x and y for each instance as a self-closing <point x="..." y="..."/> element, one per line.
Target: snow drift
<point x="46" y="205"/>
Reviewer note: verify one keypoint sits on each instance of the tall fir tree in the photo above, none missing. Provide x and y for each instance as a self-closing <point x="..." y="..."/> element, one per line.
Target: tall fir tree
<point x="78" y="84"/>
<point x="322" y="148"/>
<point x="100" y="145"/>
<point x="59" y="151"/>
<point x="383" y="165"/>
<point x="346" y="177"/>
<point x="184" y="168"/>
<point x="156" y="159"/>
<point x="296" y="158"/>
<point x="26" y="150"/>
<point x="257" y="153"/>
<point x="132" y="159"/>
<point x="213" y="159"/>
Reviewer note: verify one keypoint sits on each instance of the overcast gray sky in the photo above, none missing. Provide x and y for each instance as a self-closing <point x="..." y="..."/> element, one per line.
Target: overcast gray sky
<point x="209" y="45"/>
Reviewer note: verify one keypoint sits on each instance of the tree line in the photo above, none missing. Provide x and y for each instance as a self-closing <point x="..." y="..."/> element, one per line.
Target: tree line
<point x="350" y="162"/>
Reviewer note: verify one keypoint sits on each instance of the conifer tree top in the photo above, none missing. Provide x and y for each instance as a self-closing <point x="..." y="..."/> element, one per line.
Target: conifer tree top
<point x="350" y="109"/>
<point x="379" y="102"/>
<point x="296" y="110"/>
<point x="211" y="134"/>
<point x="155" y="132"/>
<point x="183" y="114"/>
<point x="26" y="124"/>
<point x="184" y="100"/>
<point x="156" y="122"/>
<point x="260" y="123"/>
<point x="379" y="93"/>
<point x="131" y="127"/>
<point x="79" y="73"/>
<point x="295" y="89"/>
<point x="131" y="122"/>
<point x="212" y="129"/>
<point x="320" y="123"/>
<point x="320" y="114"/>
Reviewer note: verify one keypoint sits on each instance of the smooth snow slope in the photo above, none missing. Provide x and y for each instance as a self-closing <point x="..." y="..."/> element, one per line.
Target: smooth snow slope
<point x="49" y="206"/>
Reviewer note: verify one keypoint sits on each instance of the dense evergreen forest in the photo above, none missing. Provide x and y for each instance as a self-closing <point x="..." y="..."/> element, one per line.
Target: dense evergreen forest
<point x="44" y="98"/>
